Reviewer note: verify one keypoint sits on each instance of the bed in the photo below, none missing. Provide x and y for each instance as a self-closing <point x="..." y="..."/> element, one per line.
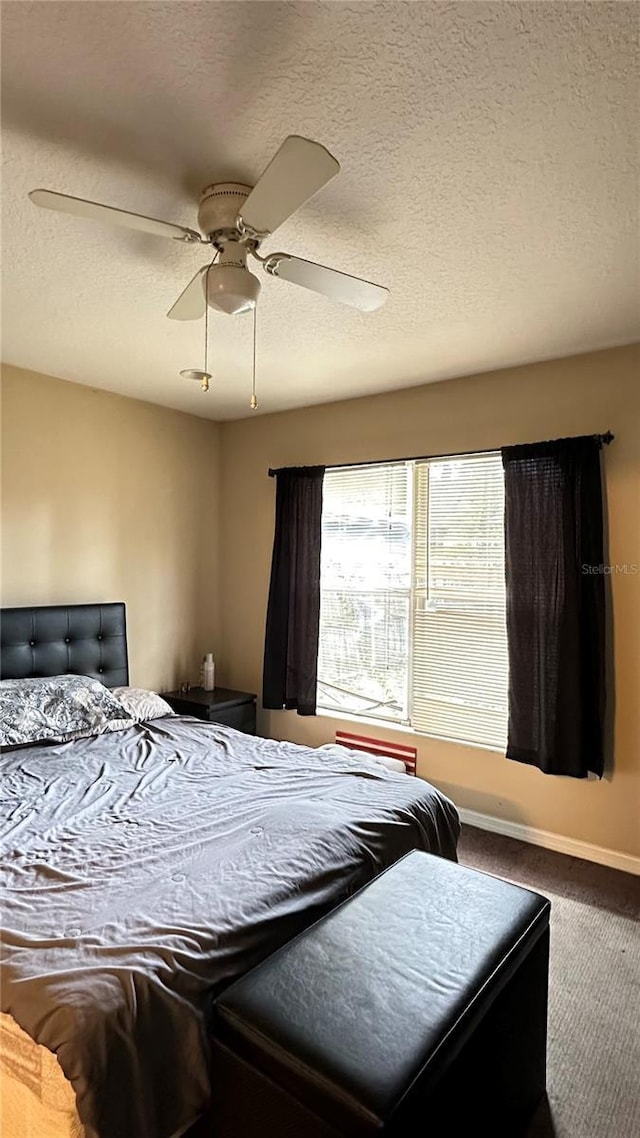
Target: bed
<point x="146" y="867"/>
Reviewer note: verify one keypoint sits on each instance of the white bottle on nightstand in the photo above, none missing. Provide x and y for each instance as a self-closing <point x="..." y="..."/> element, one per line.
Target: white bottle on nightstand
<point x="209" y="672"/>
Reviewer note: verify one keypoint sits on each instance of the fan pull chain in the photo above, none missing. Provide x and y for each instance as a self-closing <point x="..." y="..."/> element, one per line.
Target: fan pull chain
<point x="253" y="402"/>
<point x="205" y="379"/>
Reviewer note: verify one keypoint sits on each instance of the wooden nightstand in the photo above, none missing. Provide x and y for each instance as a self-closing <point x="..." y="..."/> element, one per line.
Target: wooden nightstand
<point x="233" y="708"/>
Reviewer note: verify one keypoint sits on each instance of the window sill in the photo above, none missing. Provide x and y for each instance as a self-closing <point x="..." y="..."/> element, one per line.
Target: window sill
<point x="403" y="729"/>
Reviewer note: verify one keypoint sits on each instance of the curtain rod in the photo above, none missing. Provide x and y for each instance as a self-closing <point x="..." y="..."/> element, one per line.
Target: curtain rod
<point x="604" y="440"/>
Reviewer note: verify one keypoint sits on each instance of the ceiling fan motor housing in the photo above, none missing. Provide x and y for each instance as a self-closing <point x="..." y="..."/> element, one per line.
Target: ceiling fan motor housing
<point x="220" y="205"/>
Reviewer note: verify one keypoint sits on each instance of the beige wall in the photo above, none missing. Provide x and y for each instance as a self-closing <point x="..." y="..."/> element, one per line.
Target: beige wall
<point x="584" y="394"/>
<point x="107" y="499"/>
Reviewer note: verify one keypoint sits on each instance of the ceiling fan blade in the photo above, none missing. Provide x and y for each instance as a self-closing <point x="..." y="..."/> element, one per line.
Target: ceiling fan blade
<point x="191" y="304"/>
<point x="97" y="212"/>
<point x="297" y="171"/>
<point x="338" y="286"/>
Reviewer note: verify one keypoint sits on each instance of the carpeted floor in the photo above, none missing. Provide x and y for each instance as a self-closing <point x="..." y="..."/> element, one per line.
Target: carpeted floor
<point x="593" y="1054"/>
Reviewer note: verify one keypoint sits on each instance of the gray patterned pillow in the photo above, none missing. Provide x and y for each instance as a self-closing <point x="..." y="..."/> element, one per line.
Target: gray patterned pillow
<point x="51" y="707"/>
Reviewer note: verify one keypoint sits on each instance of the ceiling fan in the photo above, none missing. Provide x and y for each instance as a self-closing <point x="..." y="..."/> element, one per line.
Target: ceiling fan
<point x="234" y="219"/>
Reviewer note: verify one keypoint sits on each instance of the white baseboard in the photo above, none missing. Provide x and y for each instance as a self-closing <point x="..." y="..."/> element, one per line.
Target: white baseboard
<point x="615" y="860"/>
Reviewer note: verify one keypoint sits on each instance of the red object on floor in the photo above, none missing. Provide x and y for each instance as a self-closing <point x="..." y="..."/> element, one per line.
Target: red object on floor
<point x="407" y="755"/>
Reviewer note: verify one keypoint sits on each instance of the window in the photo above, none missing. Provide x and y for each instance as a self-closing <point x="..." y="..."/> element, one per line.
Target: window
<point x="412" y="604"/>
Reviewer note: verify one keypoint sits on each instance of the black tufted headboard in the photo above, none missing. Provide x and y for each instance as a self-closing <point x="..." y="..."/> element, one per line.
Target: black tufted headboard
<point x="53" y="640"/>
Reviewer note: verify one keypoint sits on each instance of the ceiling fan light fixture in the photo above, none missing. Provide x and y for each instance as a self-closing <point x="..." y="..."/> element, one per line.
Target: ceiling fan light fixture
<point x="232" y="289"/>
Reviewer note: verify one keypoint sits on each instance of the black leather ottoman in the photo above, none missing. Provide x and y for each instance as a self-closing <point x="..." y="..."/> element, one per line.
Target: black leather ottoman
<point x="417" y="1007"/>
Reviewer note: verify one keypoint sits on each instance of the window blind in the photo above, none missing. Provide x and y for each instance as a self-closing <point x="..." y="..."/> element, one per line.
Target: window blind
<point x="459" y="643"/>
<point x="412" y="615"/>
<point x="365" y="575"/>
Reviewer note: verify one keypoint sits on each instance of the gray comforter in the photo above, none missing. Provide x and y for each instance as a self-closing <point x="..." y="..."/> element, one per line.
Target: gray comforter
<point x="146" y="869"/>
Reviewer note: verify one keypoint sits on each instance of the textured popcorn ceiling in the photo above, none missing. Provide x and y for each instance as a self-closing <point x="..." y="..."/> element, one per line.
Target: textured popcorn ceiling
<point x="489" y="178"/>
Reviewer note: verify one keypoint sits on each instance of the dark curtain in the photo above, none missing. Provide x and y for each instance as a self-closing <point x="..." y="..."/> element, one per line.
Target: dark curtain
<point x="555" y="605"/>
<point x="293" y="614"/>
